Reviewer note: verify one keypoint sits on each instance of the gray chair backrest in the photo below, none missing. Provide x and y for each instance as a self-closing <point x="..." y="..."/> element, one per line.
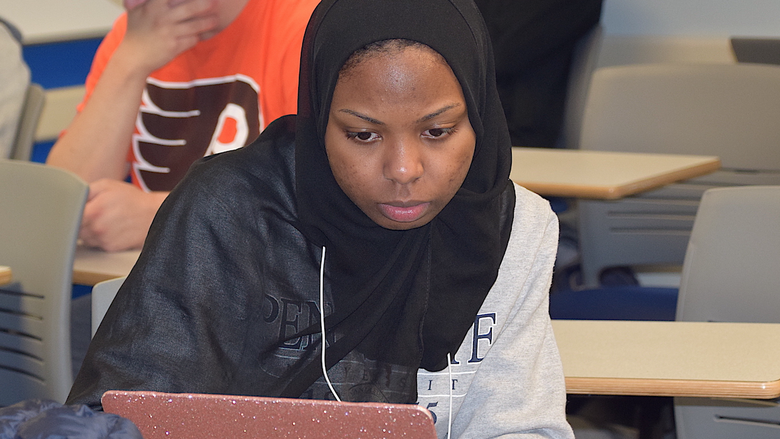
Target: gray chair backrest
<point x="102" y="295"/>
<point x="732" y="267"/>
<point x="28" y="122"/>
<point x="728" y="110"/>
<point x="732" y="274"/>
<point x="40" y="214"/>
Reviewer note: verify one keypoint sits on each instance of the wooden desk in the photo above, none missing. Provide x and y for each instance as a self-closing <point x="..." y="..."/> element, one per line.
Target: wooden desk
<point x="602" y="174"/>
<point x="697" y="359"/>
<point x="91" y="266"/>
<point x="5" y="275"/>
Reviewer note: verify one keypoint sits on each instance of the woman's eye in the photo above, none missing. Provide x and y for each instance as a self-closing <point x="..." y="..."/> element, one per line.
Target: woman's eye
<point x="362" y="136"/>
<point x="436" y="133"/>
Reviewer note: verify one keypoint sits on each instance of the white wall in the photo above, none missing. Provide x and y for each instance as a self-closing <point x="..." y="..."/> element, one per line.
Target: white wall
<point x="715" y="18"/>
<point x="644" y="31"/>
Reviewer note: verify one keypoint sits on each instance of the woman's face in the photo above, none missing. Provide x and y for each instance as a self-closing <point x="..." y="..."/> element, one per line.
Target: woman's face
<point x="398" y="138"/>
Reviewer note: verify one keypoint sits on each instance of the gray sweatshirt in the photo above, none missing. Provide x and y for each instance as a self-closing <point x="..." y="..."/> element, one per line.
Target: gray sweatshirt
<point x="507" y="379"/>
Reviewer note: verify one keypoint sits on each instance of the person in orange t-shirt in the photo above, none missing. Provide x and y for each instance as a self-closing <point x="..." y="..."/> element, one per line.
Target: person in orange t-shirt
<point x="173" y="81"/>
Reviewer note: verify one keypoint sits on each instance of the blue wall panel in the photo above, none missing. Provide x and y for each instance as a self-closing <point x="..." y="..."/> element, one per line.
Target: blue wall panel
<point x="61" y="64"/>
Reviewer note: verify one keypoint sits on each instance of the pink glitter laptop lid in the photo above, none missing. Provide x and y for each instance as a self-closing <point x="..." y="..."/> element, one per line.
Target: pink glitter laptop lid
<point x="186" y="415"/>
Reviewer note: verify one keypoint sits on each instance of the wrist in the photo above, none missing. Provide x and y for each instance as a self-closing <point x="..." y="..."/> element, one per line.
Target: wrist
<point x="128" y="62"/>
<point x="158" y="198"/>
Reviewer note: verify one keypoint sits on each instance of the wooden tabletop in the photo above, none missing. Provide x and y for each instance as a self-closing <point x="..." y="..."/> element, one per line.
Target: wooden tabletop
<point x="697" y="359"/>
<point x="602" y="174"/>
<point x="5" y="275"/>
<point x="91" y="265"/>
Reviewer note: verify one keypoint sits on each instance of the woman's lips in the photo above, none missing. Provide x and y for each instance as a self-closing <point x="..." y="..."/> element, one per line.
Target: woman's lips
<point x="405" y="212"/>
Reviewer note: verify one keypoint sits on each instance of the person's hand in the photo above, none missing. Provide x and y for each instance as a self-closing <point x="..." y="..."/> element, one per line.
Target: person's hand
<point x="117" y="215"/>
<point x="130" y="4"/>
<point x="159" y="30"/>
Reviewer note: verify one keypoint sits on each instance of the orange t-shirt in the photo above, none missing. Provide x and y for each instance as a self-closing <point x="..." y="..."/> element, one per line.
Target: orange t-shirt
<point x="216" y="96"/>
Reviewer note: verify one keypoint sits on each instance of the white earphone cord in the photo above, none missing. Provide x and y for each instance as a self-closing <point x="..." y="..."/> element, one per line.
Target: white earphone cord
<point x="325" y="369"/>
<point x="322" y="325"/>
<point x="449" y="417"/>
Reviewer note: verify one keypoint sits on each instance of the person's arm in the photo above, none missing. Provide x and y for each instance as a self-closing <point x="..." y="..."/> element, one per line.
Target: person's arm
<point x="117" y="215"/>
<point x="96" y="142"/>
<point x="518" y="389"/>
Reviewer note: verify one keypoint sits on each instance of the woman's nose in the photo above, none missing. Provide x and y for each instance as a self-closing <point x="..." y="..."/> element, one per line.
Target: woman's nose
<point x="403" y="162"/>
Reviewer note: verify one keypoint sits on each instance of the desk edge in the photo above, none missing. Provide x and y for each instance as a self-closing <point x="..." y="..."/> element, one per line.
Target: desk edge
<point x="6" y="274"/>
<point x="618" y="192"/>
<point x="90" y="278"/>
<point x="672" y="177"/>
<point x="667" y="387"/>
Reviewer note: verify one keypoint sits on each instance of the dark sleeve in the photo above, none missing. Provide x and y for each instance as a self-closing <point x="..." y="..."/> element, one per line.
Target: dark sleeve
<point x="533" y="44"/>
<point x="181" y="320"/>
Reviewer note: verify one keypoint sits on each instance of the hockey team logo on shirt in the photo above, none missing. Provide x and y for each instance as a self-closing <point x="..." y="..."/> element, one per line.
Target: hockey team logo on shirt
<point x="180" y="122"/>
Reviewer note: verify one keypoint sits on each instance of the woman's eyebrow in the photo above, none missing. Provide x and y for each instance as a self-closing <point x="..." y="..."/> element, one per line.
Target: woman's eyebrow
<point x="422" y="119"/>
<point x="362" y="116"/>
<point x="438" y="112"/>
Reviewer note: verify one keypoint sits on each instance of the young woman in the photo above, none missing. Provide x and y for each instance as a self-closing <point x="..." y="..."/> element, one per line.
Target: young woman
<point x="385" y="205"/>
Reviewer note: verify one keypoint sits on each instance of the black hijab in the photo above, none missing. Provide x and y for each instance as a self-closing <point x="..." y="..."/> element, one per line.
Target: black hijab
<point x="404" y="298"/>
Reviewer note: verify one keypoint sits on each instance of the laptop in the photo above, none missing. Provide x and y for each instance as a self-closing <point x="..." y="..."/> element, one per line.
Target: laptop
<point x="190" y="416"/>
<point x="756" y="50"/>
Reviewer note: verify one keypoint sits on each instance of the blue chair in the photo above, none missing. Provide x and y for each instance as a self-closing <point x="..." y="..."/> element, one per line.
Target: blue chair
<point x="628" y="302"/>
